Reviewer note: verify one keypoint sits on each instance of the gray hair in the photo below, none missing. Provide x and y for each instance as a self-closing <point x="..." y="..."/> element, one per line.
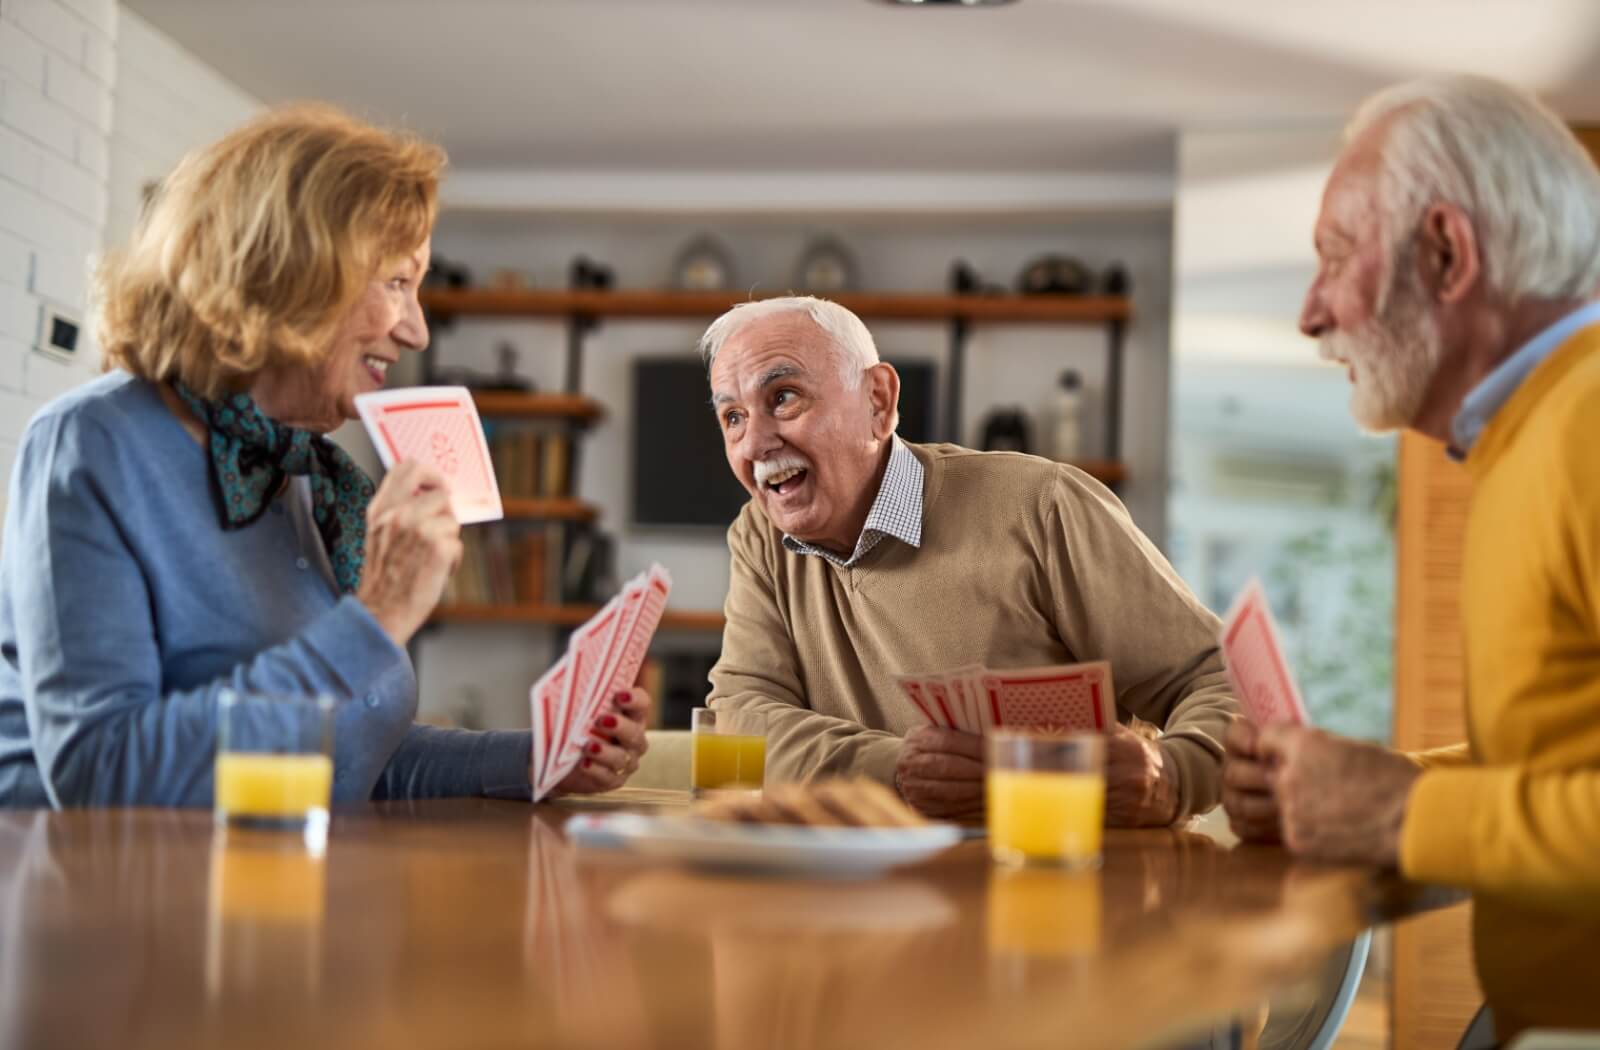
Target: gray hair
<point x="1509" y="162"/>
<point x="855" y="350"/>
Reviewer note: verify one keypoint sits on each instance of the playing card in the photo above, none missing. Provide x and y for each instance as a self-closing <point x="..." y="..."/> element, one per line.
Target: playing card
<point x="933" y="688"/>
<point x="911" y="686"/>
<point x="545" y="697"/>
<point x="1070" y="697"/>
<point x="436" y="425"/>
<point x="1256" y="664"/>
<point x="587" y="651"/>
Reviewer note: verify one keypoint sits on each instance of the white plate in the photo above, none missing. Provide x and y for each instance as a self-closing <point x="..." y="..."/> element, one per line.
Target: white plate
<point x="774" y="848"/>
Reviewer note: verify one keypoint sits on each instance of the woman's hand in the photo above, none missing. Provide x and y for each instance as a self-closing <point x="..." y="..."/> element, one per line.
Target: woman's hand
<point x="616" y="742"/>
<point x="413" y="545"/>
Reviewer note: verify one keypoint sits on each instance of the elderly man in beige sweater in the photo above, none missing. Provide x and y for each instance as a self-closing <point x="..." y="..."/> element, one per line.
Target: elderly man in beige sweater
<point x="860" y="557"/>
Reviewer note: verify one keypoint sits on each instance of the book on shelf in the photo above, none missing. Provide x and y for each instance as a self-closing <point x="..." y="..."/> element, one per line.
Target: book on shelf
<point x="504" y="566"/>
<point x="530" y="462"/>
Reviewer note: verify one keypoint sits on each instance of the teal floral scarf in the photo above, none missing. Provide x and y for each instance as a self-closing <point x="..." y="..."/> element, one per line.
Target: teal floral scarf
<point x="251" y="455"/>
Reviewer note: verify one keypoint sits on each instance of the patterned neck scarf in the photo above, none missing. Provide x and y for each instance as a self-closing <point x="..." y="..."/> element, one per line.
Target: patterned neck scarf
<point x="252" y="454"/>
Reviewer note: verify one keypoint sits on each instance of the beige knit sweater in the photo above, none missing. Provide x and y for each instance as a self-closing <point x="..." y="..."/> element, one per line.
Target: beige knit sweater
<point x="1023" y="562"/>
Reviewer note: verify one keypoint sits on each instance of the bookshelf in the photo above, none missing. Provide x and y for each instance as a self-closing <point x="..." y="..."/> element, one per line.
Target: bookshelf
<point x="549" y="510"/>
<point x="584" y="308"/>
<point x="881" y="306"/>
<point x="570" y="412"/>
<point x="512" y="404"/>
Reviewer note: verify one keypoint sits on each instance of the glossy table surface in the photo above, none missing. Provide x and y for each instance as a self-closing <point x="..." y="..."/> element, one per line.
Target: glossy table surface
<point x="476" y="924"/>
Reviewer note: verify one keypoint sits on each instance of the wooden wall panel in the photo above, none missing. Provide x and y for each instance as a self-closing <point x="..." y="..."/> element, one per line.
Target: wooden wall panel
<point x="1435" y="992"/>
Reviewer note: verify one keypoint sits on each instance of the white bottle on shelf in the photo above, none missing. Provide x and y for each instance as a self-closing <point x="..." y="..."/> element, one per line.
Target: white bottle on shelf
<point x="1067" y="432"/>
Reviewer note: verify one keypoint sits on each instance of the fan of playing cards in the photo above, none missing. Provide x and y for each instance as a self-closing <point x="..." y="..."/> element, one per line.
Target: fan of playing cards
<point x="1068" y="698"/>
<point x="602" y="658"/>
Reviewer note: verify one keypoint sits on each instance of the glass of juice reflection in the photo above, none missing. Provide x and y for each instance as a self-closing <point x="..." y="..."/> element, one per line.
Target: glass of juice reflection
<point x="728" y="750"/>
<point x="1046" y="797"/>
<point x="275" y="763"/>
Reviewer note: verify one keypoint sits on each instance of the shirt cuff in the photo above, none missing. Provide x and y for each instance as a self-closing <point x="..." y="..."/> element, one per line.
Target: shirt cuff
<point x="1438" y="836"/>
<point x="1199" y="774"/>
<point x="503" y="764"/>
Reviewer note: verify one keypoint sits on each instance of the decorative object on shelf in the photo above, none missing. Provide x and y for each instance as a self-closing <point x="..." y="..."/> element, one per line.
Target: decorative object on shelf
<point x="1115" y="281"/>
<point x="1067" y="422"/>
<point x="964" y="280"/>
<point x="826" y="266"/>
<point x="1055" y="275"/>
<point x="586" y="273"/>
<point x="704" y="265"/>
<point x="509" y="279"/>
<point x="1006" y="430"/>
<point x="505" y="378"/>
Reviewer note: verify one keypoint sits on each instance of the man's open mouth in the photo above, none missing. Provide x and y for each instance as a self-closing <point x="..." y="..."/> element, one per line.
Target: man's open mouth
<point x="786" y="481"/>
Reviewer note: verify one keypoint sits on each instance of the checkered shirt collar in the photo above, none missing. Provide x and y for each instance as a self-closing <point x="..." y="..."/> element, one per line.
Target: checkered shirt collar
<point x="897" y="510"/>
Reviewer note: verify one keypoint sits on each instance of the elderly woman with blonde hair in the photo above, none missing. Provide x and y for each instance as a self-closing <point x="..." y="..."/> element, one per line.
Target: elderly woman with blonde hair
<point x="182" y="526"/>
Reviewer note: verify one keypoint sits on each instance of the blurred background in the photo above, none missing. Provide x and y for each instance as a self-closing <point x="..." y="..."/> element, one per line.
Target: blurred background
<point x="1129" y="185"/>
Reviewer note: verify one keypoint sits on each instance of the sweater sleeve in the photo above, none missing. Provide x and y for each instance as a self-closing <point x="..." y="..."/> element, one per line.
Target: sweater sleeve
<point x="433" y="762"/>
<point x="1116" y="598"/>
<point x="1507" y="830"/>
<point x="759" y="671"/>
<point x="106" y="729"/>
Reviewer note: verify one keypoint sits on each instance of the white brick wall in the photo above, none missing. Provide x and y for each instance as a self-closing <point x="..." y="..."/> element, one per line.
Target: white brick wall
<point x="94" y="102"/>
<point x="167" y="102"/>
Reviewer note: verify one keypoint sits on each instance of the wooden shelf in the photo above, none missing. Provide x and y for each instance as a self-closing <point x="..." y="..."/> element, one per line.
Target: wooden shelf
<point x="566" y="616"/>
<point x="510" y="404"/>
<point x="1105" y="471"/>
<point x="549" y="510"/>
<point x="882" y="306"/>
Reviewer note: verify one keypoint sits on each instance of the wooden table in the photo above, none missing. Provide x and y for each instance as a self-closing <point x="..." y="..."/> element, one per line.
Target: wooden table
<point x="475" y="924"/>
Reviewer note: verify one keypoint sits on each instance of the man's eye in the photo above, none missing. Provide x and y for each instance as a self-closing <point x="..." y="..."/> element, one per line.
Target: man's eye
<point x="731" y="419"/>
<point x="784" y="397"/>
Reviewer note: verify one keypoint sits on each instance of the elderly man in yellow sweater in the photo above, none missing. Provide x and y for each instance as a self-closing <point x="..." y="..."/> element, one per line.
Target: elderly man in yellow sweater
<point x="860" y="556"/>
<point x="1459" y="269"/>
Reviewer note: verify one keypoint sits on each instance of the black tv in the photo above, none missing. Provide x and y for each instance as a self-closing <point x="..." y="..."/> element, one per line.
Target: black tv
<point x="680" y="474"/>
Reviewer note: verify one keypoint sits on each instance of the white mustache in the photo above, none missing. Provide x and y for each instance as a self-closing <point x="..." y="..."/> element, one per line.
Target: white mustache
<point x="765" y="468"/>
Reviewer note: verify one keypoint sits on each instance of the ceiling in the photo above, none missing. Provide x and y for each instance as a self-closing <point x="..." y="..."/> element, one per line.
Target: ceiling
<point x="1092" y="86"/>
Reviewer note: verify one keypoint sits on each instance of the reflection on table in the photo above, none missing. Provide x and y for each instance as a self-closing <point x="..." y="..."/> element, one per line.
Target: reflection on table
<point x="476" y="923"/>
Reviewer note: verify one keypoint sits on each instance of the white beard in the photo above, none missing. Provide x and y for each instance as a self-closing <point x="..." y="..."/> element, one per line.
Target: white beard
<point x="1395" y="356"/>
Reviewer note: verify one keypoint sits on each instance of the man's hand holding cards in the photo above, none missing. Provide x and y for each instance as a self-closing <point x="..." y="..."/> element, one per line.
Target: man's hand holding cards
<point x="1066" y="698"/>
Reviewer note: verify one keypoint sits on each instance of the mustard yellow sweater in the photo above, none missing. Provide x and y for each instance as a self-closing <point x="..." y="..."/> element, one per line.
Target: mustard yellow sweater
<point x="1518" y="822"/>
<point x="1023" y="562"/>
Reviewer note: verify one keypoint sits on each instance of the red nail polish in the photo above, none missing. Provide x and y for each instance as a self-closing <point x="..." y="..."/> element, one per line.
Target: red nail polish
<point x="586" y="763"/>
<point x="594" y="749"/>
<point x="622" y="697"/>
<point x="609" y="721"/>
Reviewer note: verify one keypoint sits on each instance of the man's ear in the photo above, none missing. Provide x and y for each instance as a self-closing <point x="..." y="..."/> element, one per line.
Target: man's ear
<point x="1449" y="258"/>
<point x="883" y="389"/>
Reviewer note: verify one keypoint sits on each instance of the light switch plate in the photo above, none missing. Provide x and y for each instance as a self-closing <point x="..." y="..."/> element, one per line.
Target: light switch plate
<point x="60" y="333"/>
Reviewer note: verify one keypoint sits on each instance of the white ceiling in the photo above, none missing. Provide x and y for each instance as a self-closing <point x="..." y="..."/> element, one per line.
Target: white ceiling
<point x="1092" y="86"/>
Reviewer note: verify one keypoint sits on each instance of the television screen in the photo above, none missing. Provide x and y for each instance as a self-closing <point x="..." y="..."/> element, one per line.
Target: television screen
<point x="680" y="474"/>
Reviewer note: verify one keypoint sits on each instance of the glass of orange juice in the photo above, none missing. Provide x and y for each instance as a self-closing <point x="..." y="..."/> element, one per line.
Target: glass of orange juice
<point x="275" y="763"/>
<point x="728" y="750"/>
<point x="1046" y="797"/>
